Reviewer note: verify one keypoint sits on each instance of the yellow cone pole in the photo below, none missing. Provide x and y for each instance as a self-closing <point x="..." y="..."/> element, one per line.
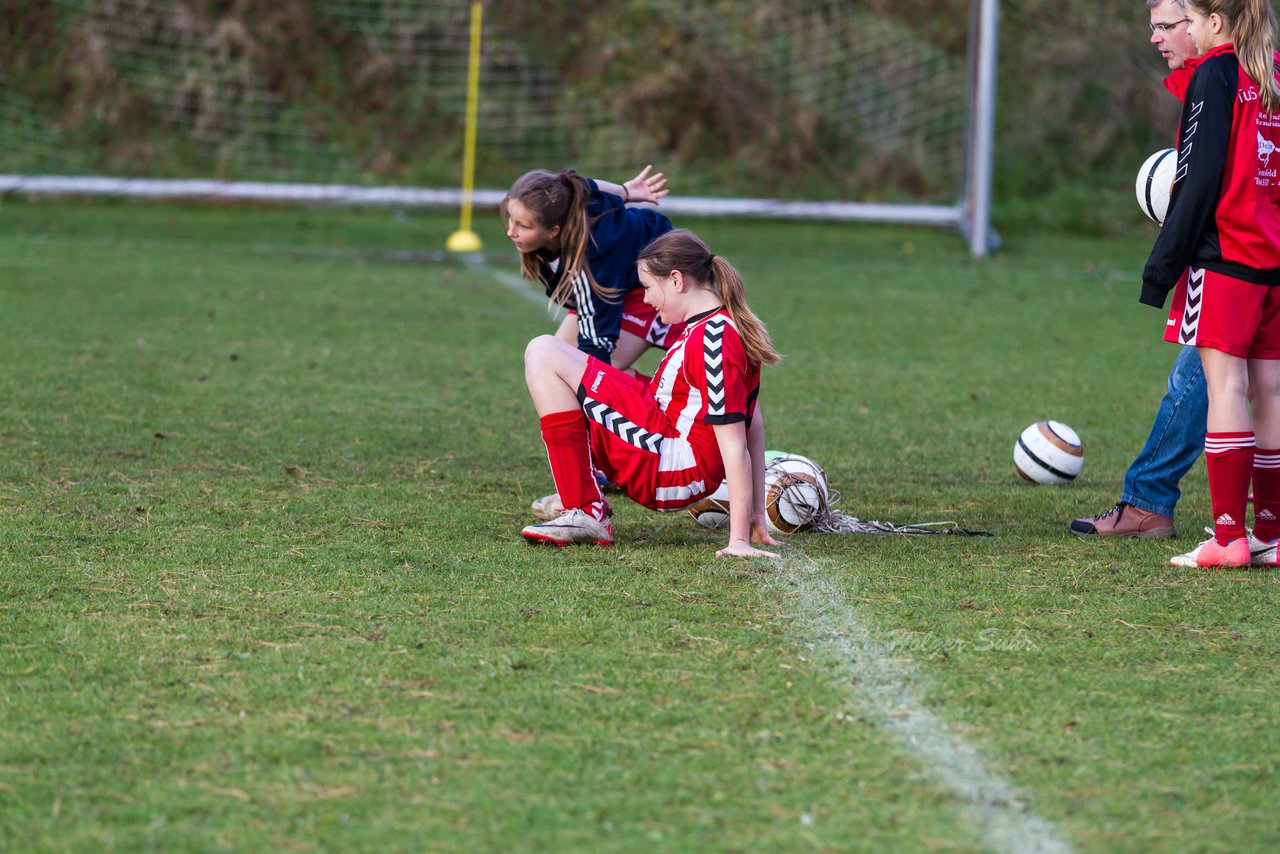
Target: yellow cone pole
<point x="464" y="239"/>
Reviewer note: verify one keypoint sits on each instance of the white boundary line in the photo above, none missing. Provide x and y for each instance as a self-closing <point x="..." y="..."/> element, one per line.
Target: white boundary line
<point x="351" y="194"/>
<point x="518" y="285"/>
<point x="881" y="684"/>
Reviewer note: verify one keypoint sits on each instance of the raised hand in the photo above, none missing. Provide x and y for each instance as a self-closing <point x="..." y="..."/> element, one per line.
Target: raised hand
<point x="646" y="187"/>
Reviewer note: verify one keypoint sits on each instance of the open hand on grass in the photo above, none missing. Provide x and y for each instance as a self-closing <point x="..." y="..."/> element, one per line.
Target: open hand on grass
<point x="742" y="548"/>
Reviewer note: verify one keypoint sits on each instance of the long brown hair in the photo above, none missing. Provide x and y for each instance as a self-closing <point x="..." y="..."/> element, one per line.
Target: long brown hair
<point x="557" y="199"/>
<point x="684" y="251"/>
<point x="1253" y="37"/>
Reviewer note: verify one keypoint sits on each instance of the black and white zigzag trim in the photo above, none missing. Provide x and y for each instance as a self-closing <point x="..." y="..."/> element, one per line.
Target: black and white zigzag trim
<point x="657" y="331"/>
<point x="1191" y="313"/>
<point x="713" y="354"/>
<point x="611" y="420"/>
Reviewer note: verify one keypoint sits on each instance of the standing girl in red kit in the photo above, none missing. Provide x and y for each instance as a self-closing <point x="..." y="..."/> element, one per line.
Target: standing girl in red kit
<point x="674" y="440"/>
<point x="1224" y="225"/>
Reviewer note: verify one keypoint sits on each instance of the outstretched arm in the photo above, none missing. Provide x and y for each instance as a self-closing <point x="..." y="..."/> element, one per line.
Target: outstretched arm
<point x="755" y="447"/>
<point x="645" y="187"/>
<point x="734" y="449"/>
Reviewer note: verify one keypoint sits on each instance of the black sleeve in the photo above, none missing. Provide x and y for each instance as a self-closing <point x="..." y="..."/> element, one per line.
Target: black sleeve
<point x="1204" y="137"/>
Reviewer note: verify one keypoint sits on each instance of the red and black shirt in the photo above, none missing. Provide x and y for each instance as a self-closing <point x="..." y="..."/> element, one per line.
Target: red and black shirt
<point x="1224" y="214"/>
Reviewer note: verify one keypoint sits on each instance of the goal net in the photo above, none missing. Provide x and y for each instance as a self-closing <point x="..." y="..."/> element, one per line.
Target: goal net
<point x="781" y="107"/>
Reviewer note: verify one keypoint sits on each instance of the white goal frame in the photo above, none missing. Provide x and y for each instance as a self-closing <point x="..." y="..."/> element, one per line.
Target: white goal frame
<point x="970" y="215"/>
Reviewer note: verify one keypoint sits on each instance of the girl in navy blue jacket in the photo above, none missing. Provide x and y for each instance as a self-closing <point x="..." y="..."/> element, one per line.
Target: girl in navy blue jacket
<point x="579" y="238"/>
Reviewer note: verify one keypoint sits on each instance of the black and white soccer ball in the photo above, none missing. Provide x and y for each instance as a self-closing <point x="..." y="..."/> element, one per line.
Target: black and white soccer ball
<point x="1048" y="452"/>
<point x="796" y="492"/>
<point x="1154" y="184"/>
<point x="712" y="511"/>
<point x="796" y="496"/>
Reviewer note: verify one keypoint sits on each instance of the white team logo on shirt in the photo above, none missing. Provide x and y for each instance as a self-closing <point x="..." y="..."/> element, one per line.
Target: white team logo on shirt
<point x="1265" y="149"/>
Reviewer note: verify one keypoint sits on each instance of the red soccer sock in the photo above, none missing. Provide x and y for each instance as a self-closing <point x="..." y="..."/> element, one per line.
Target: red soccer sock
<point x="1266" y="493"/>
<point x="1228" y="458"/>
<point x="569" y="452"/>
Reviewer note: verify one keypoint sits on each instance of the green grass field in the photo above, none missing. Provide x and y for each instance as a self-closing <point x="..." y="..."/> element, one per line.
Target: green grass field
<point x="262" y="475"/>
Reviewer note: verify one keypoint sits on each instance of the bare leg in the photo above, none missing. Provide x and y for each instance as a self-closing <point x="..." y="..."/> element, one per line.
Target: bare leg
<point x="568" y="330"/>
<point x="1264" y="401"/>
<point x="1227" y="378"/>
<point x="552" y="370"/>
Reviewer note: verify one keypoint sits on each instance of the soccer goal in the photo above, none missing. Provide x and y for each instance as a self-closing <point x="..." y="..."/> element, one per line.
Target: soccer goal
<point x="784" y="108"/>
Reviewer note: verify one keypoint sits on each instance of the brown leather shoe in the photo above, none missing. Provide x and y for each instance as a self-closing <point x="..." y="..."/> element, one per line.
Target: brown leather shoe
<point x="1125" y="520"/>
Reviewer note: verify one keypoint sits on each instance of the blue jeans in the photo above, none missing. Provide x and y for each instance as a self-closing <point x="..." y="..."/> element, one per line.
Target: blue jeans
<point x="1176" y="440"/>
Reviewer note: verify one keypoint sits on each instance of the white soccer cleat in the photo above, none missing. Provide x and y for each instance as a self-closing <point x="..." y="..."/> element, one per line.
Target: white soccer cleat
<point x="574" y="527"/>
<point x="1210" y="553"/>
<point x="1261" y="552"/>
<point x="547" y="507"/>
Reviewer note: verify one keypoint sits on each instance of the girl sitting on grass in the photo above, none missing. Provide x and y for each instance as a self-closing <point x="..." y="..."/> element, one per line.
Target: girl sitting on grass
<point x="674" y="440"/>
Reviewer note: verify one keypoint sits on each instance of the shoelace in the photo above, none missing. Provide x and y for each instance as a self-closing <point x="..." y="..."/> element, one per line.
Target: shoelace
<point x="1119" y="508"/>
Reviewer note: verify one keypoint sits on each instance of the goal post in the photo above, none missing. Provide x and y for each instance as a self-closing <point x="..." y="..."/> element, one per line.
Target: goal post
<point x="786" y="108"/>
<point x="984" y="34"/>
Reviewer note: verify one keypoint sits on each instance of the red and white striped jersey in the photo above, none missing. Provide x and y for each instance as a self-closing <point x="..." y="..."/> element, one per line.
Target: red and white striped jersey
<point x="707" y="379"/>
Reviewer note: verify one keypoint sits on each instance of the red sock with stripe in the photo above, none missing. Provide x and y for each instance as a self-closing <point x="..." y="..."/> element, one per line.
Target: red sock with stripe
<point x="1228" y="458"/>
<point x="1266" y="493"/>
<point x="569" y="453"/>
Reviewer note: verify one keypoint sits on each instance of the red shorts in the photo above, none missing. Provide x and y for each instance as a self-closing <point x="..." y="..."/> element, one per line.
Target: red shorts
<point x="1222" y="313"/>
<point x="641" y="320"/>
<point x="635" y="446"/>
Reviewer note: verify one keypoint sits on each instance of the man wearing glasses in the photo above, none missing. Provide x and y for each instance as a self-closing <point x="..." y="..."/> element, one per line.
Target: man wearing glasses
<point x="1151" y="490"/>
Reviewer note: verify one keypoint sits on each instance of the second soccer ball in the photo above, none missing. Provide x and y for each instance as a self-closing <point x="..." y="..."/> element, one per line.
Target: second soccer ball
<point x="1048" y="452"/>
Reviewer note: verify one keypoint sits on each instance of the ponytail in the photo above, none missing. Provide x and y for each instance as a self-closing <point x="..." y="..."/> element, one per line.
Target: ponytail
<point x="557" y="200"/>
<point x="684" y="251"/>
<point x="1253" y="37"/>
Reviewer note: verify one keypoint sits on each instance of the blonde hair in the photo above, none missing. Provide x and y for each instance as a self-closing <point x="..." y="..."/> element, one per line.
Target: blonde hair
<point x="557" y="200"/>
<point x="684" y="251"/>
<point x="1252" y="24"/>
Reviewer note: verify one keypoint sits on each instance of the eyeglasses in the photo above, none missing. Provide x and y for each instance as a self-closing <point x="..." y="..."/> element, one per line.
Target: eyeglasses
<point x="1165" y="29"/>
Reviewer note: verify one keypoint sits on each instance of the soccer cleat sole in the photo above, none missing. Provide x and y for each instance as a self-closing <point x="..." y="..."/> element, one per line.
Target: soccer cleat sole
<point x="1153" y="534"/>
<point x="539" y="540"/>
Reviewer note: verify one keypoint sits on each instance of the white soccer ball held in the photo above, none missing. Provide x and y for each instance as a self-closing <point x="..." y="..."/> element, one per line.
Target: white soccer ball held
<point x="1154" y="184"/>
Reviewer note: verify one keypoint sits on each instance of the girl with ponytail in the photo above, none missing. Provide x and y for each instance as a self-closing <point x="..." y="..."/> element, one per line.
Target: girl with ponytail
<point x="579" y="239"/>
<point x="674" y="440"/>
<point x="1224" y="225"/>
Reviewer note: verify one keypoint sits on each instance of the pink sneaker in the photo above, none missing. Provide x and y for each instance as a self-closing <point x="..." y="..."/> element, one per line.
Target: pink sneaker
<point x="1211" y="553"/>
